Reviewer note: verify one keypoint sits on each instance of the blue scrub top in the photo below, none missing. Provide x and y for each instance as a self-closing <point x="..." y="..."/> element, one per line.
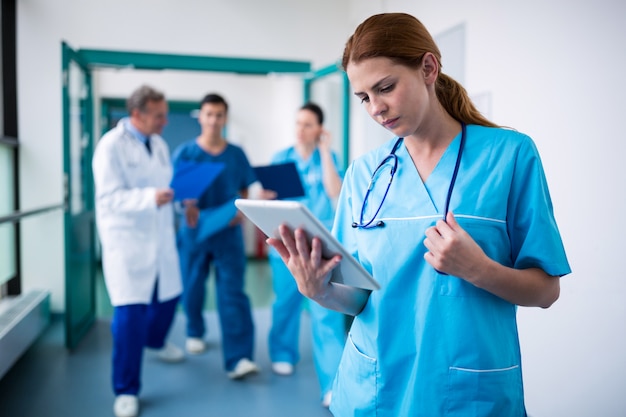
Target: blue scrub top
<point x="428" y="344"/>
<point x="236" y="176"/>
<point x="310" y="170"/>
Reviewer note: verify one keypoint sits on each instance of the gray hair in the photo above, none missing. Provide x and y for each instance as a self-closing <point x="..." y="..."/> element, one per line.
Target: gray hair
<point x="141" y="96"/>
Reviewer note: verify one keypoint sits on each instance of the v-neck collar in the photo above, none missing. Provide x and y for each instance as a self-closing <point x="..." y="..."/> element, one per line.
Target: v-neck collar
<point x="434" y="190"/>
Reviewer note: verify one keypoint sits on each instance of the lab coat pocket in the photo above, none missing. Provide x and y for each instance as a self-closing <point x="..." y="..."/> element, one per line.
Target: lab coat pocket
<point x="485" y="392"/>
<point x="355" y="387"/>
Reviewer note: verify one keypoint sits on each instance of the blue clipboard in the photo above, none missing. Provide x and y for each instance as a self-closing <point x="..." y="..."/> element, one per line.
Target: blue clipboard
<point x="192" y="178"/>
<point x="214" y="219"/>
<point x="282" y="178"/>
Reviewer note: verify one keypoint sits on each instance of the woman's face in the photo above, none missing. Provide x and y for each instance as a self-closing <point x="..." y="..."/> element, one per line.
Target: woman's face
<point x="394" y="95"/>
<point x="308" y="129"/>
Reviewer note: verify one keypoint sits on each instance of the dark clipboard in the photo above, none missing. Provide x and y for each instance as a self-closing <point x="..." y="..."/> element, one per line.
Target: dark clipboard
<point x="282" y="178"/>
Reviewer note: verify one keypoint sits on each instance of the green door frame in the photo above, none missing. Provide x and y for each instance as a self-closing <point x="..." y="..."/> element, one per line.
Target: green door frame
<point x="79" y="224"/>
<point x="318" y="75"/>
<point x="152" y="61"/>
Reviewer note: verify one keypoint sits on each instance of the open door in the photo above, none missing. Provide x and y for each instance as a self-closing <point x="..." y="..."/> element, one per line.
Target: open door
<point x="329" y="87"/>
<point x="80" y="265"/>
<point x="78" y="104"/>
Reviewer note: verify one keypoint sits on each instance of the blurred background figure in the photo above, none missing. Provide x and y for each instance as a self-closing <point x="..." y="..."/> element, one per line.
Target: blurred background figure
<point x="224" y="248"/>
<point x="135" y="221"/>
<point x="320" y="175"/>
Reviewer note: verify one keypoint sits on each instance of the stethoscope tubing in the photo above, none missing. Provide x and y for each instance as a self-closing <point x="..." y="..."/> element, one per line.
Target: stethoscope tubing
<point x="456" y="171"/>
<point x="392" y="155"/>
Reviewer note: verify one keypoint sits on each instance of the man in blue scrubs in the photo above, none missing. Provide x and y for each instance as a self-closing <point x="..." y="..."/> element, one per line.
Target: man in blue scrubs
<point x="224" y="249"/>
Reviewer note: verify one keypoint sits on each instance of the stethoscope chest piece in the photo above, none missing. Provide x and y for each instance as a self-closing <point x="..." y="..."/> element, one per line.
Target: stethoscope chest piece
<point x="379" y="223"/>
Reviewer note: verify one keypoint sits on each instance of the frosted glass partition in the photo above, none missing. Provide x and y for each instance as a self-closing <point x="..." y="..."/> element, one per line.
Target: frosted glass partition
<point x="7" y="230"/>
<point x="7" y="254"/>
<point x="451" y="43"/>
<point x="79" y="138"/>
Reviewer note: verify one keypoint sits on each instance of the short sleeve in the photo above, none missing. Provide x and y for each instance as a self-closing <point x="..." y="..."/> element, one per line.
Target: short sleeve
<point x="339" y="170"/>
<point x="342" y="226"/>
<point x="535" y="237"/>
<point x="248" y="176"/>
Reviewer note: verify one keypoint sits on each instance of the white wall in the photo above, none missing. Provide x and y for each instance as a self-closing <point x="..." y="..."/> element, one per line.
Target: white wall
<point x="552" y="69"/>
<point x="555" y="70"/>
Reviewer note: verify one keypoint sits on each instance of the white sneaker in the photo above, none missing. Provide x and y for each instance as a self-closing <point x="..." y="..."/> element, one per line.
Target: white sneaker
<point x="168" y="353"/>
<point x="243" y="368"/>
<point x="282" y="368"/>
<point x="327" y="398"/>
<point x="195" y="345"/>
<point x="126" y="406"/>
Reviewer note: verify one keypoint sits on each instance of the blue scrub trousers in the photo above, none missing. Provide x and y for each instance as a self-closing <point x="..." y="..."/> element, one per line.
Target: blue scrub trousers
<point x="328" y="327"/>
<point x="225" y="250"/>
<point x="134" y="327"/>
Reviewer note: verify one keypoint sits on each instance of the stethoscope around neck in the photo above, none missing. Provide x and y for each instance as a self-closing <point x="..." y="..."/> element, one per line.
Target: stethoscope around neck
<point x="370" y="224"/>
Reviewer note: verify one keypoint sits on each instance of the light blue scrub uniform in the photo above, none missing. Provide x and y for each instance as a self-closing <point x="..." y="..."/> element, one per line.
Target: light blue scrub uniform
<point x="225" y="250"/>
<point x="428" y="344"/>
<point x="328" y="327"/>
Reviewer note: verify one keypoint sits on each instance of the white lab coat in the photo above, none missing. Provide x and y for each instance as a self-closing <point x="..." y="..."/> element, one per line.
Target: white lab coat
<point x="138" y="238"/>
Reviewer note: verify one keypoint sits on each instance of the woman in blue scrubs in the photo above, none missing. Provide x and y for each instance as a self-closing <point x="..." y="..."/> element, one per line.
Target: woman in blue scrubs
<point x="320" y="175"/>
<point x="462" y="235"/>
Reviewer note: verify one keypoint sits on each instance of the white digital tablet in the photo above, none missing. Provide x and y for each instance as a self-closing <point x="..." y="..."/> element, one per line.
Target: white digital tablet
<point x="267" y="215"/>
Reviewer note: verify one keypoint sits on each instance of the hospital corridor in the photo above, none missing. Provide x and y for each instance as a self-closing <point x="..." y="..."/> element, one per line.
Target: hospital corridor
<point x="463" y="165"/>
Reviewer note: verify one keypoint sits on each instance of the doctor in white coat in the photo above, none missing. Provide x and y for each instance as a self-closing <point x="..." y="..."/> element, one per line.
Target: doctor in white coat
<point x="134" y="215"/>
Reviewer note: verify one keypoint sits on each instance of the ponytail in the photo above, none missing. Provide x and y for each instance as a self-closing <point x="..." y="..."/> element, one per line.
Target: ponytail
<point x="455" y="100"/>
<point x="404" y="39"/>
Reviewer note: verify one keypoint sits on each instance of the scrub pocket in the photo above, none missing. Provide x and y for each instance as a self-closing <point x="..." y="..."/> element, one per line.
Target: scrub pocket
<point x="492" y="237"/>
<point x="485" y="392"/>
<point x="355" y="389"/>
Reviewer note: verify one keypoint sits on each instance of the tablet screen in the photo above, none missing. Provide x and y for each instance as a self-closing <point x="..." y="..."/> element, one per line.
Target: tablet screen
<point x="267" y="215"/>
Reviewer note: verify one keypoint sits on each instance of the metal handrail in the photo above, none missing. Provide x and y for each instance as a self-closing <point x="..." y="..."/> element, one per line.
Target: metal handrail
<point x="19" y="215"/>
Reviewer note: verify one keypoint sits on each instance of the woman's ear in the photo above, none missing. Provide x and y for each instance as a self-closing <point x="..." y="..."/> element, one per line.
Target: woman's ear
<point x="430" y="68"/>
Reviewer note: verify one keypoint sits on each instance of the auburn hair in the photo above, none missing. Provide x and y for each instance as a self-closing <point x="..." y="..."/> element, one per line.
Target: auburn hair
<point x="403" y="39"/>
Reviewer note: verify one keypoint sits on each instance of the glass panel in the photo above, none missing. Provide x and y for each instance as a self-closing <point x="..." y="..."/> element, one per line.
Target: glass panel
<point x="78" y="137"/>
<point x="7" y="254"/>
<point x="7" y="230"/>
<point x="79" y="221"/>
<point x="328" y="93"/>
<point x="1" y="91"/>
